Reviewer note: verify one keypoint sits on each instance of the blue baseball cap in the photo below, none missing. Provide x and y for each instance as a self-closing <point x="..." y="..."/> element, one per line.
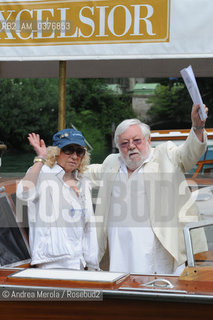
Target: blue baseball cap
<point x="68" y="136"/>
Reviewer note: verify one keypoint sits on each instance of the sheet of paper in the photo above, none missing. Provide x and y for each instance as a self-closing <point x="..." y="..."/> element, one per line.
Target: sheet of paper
<point x="65" y="274"/>
<point x="191" y="84"/>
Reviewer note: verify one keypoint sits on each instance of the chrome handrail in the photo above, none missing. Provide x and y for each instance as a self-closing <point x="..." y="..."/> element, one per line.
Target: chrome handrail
<point x="160" y="283"/>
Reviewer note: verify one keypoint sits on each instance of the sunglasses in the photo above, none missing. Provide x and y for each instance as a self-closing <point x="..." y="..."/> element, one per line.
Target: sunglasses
<point x="80" y="152"/>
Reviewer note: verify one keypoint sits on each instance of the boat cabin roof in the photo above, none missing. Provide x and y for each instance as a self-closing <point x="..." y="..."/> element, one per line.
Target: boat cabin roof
<point x="177" y="136"/>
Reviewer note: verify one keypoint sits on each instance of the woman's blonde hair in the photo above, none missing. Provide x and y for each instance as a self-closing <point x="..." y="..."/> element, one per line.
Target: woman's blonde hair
<point x="53" y="153"/>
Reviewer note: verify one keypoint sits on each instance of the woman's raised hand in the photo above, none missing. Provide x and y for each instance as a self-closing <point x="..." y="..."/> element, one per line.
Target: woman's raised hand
<point x="38" y="145"/>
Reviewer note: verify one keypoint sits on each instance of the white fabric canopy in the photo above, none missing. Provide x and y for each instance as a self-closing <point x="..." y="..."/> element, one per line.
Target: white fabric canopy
<point x="134" y="38"/>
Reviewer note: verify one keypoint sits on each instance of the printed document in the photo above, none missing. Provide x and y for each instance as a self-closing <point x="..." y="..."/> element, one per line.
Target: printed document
<point x="191" y="84"/>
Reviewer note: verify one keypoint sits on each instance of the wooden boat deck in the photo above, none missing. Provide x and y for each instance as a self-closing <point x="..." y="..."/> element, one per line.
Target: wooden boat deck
<point x="128" y="300"/>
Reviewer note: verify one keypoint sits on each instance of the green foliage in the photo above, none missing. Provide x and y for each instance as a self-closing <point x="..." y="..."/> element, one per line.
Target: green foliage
<point x="171" y="108"/>
<point x="31" y="105"/>
<point x="206" y="88"/>
<point x="27" y="105"/>
<point x="172" y="104"/>
<point x="95" y="111"/>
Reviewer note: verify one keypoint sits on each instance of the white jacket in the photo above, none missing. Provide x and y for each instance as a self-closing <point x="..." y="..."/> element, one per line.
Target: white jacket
<point x="62" y="226"/>
<point x="166" y="168"/>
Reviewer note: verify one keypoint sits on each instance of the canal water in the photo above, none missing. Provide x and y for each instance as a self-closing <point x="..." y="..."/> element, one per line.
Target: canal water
<point x="15" y="164"/>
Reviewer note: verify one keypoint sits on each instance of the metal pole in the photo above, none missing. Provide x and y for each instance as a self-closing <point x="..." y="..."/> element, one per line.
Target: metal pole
<point x="62" y="96"/>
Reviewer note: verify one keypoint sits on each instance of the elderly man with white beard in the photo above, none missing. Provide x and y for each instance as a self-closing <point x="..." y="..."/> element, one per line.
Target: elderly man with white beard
<point x="144" y="201"/>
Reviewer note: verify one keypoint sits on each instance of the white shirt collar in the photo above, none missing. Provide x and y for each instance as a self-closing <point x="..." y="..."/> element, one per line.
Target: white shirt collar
<point x="59" y="171"/>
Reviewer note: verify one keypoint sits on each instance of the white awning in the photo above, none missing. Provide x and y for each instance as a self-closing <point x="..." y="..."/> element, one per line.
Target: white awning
<point x="134" y="38"/>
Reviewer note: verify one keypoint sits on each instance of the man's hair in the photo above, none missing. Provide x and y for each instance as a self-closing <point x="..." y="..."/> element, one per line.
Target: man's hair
<point x="124" y="125"/>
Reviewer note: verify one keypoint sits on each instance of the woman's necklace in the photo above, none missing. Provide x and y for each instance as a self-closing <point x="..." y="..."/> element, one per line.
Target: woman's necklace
<point x="81" y="198"/>
<point x="76" y="185"/>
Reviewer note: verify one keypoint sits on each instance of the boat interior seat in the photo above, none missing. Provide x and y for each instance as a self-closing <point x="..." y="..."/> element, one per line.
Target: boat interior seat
<point x="23" y="213"/>
<point x="14" y="247"/>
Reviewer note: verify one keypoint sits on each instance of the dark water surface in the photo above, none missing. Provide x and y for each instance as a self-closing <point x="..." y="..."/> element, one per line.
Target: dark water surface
<point x="16" y="163"/>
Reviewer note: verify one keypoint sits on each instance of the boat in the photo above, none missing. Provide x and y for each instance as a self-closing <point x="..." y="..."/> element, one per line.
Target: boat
<point x="178" y="136"/>
<point x="134" y="296"/>
<point x="33" y="293"/>
<point x="202" y="174"/>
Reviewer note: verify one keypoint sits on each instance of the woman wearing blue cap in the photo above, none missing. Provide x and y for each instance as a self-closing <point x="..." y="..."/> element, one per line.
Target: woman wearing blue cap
<point x="61" y="219"/>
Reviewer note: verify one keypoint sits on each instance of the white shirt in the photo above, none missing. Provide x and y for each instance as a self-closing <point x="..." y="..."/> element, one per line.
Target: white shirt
<point x="62" y="228"/>
<point x="133" y="246"/>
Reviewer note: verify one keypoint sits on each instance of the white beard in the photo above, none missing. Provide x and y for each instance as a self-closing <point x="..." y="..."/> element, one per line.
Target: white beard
<point x="130" y="163"/>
